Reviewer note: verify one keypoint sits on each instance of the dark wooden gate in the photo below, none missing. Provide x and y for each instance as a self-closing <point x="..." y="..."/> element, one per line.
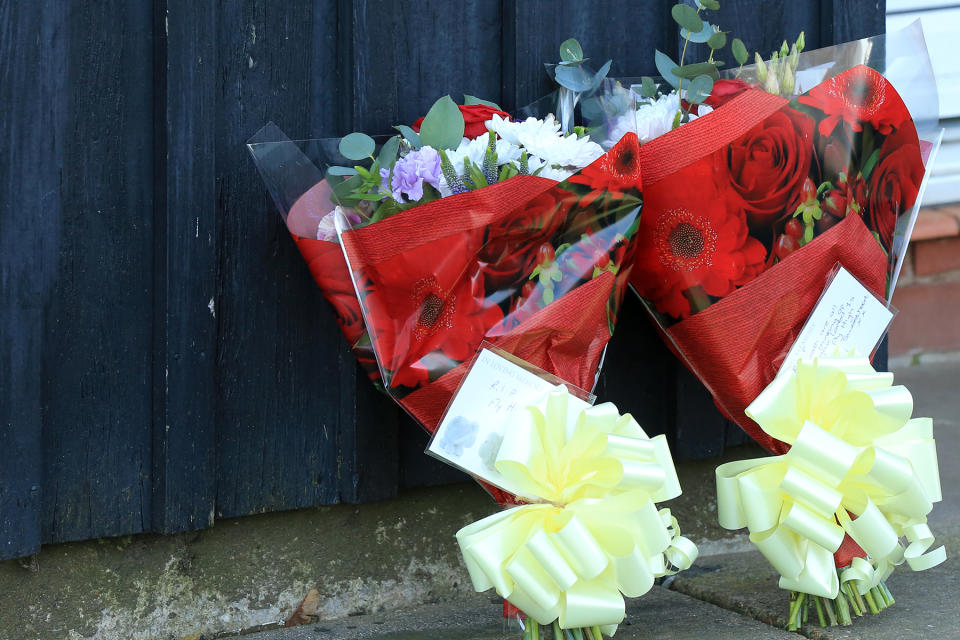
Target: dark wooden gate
<point x="165" y="359"/>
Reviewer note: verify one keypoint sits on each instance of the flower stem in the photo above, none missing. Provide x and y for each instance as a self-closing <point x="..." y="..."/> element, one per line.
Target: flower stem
<point x="557" y="632"/>
<point x="843" y="610"/>
<point x="823" y="621"/>
<point x="597" y="634"/>
<point x="831" y="614"/>
<point x="886" y="594"/>
<point x="868" y="596"/>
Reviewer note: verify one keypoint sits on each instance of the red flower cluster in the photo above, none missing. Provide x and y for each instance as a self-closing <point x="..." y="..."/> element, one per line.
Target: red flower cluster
<point x="855" y="97"/>
<point x="693" y="241"/>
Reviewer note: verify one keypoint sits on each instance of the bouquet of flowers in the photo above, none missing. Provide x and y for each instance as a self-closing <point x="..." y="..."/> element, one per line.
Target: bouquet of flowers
<point x="807" y="161"/>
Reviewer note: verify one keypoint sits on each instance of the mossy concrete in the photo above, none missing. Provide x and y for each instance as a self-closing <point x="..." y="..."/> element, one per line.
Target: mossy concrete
<point x="252" y="573"/>
<point x="243" y="574"/>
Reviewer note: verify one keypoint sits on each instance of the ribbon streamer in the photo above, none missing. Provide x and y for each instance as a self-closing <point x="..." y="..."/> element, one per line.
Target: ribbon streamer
<point x="858" y="465"/>
<point x="594" y="534"/>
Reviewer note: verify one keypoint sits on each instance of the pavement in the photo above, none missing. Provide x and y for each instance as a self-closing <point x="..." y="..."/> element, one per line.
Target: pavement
<point x="731" y="591"/>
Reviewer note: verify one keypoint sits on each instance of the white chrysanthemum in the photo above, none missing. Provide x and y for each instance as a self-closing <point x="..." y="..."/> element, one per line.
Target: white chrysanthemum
<point x="475" y="149"/>
<point x="549" y="171"/>
<point x="524" y="132"/>
<point x="543" y="139"/>
<point x="650" y="120"/>
<point x="656" y="118"/>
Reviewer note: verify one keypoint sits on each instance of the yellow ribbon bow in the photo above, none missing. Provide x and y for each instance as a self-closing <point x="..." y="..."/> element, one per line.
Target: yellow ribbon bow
<point x="855" y="450"/>
<point x="594" y="531"/>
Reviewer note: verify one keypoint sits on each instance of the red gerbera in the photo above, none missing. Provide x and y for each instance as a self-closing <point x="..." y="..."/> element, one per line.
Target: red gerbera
<point x="614" y="171"/>
<point x="857" y="96"/>
<point x="422" y="328"/>
<point x="691" y="235"/>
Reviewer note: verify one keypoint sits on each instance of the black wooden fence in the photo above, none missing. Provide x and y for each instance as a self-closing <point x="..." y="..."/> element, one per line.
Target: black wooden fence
<point x="165" y="359"/>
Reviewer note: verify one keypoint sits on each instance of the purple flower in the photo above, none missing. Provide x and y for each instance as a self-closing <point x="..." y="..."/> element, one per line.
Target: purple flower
<point x="410" y="172"/>
<point x="326" y="229"/>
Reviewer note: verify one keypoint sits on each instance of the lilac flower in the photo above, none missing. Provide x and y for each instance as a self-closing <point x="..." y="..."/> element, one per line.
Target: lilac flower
<point x="410" y="172"/>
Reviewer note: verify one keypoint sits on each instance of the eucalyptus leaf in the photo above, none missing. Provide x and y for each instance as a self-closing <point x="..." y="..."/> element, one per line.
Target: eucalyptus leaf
<point x="442" y="127"/>
<point x="571" y="51"/>
<point x="739" y="51"/>
<point x="648" y="87"/>
<point x="665" y="65"/>
<point x="689" y="71"/>
<point x="699" y="89"/>
<point x="388" y="152"/>
<point x="713" y="5"/>
<point x="601" y="74"/>
<point x="686" y="16"/>
<point x="717" y="40"/>
<point x="409" y="135"/>
<point x="341" y="171"/>
<point x="468" y="100"/>
<point x="357" y="146"/>
<point x="574" y="78"/>
<point x="700" y="36"/>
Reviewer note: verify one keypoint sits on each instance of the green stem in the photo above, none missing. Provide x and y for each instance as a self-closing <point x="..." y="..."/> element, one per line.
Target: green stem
<point x="843" y="609"/>
<point x="879" y="599"/>
<point x="578" y="634"/>
<point x="868" y="596"/>
<point x="831" y="614"/>
<point x="851" y="592"/>
<point x="597" y="634"/>
<point x="886" y="593"/>
<point x="557" y="633"/>
<point x="535" y="634"/>
<point x="823" y="621"/>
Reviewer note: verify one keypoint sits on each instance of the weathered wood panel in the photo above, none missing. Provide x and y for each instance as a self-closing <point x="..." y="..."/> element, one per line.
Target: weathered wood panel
<point x="30" y="211"/>
<point x="96" y="330"/>
<point x="186" y="214"/>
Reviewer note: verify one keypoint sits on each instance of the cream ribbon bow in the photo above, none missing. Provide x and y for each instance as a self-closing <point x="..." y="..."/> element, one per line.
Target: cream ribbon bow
<point x="595" y="532"/>
<point x="855" y="450"/>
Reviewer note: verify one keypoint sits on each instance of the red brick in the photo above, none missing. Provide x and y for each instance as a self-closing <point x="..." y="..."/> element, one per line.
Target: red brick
<point x="929" y="318"/>
<point x="935" y="223"/>
<point x="936" y="256"/>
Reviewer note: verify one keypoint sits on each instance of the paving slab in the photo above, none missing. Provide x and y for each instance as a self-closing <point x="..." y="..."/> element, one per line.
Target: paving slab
<point x="661" y="613"/>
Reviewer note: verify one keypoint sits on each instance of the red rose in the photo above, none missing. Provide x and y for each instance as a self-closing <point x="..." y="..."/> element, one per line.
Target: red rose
<point x="894" y="183"/>
<point x="474" y="117"/>
<point x="510" y="250"/>
<point x="769" y="164"/>
<point x="725" y="90"/>
<point x="693" y="234"/>
<point x="857" y="96"/>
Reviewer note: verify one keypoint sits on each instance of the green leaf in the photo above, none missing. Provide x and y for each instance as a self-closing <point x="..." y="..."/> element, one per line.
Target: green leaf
<point x="717" y="40"/>
<point x="686" y="16"/>
<point x="665" y="66"/>
<point x="341" y="171"/>
<point x="409" y="135"/>
<point x="689" y="71"/>
<point x="357" y="146"/>
<point x="574" y="78"/>
<point x="739" y="51"/>
<point x="713" y="5"/>
<point x="571" y="51"/>
<point x="699" y="89"/>
<point x="700" y="36"/>
<point x="388" y="152"/>
<point x="442" y="127"/>
<point x="648" y="87"/>
<point x="343" y="189"/>
<point x="870" y="164"/>
<point x="468" y="100"/>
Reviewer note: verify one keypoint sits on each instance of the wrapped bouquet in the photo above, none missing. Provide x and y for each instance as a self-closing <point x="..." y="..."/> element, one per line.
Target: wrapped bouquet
<point x="807" y="161"/>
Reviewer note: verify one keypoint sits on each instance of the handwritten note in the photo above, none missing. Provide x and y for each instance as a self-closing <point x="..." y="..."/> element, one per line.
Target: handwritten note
<point x="848" y="316"/>
<point x="471" y="431"/>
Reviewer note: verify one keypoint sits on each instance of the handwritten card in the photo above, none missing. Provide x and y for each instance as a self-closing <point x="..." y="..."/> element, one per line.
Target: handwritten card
<point x="847" y="316"/>
<point x="471" y="431"/>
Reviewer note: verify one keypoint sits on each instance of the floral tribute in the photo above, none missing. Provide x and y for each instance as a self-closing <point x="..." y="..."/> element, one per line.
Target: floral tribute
<point x="468" y="226"/>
